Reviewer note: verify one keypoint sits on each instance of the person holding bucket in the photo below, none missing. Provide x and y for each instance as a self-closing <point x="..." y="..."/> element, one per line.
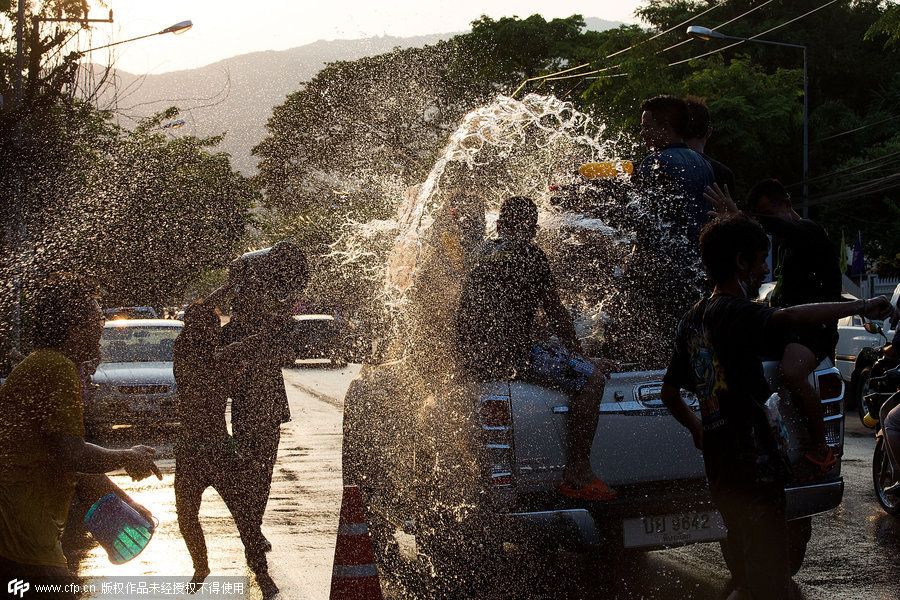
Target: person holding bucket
<point x="42" y="443"/>
<point x="205" y="454"/>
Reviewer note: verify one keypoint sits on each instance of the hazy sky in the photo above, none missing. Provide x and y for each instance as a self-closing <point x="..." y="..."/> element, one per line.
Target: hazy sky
<point x="224" y="28"/>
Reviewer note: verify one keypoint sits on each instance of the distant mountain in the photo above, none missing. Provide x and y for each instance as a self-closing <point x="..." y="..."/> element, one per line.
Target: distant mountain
<point x="595" y="24"/>
<point x="236" y="96"/>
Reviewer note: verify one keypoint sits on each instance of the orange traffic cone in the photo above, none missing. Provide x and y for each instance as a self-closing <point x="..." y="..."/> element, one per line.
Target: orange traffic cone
<point x="354" y="576"/>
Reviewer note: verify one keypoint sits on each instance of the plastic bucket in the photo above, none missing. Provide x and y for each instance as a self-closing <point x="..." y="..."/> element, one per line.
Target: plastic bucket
<point x="120" y="529"/>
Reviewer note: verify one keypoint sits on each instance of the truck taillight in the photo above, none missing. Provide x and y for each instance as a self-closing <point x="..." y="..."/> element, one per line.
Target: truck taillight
<point x="501" y="479"/>
<point x="831" y="386"/>
<point x="494" y="412"/>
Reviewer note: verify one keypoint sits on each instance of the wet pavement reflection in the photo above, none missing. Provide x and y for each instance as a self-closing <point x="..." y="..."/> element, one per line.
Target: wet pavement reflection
<point x="852" y="554"/>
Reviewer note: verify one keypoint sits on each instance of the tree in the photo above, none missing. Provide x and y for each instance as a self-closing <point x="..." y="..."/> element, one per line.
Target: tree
<point x="143" y="213"/>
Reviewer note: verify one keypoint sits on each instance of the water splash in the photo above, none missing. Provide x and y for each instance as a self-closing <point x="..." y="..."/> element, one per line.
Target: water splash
<point x="508" y="147"/>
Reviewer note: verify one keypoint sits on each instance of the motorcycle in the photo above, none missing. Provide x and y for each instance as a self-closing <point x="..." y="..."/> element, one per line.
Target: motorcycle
<point x="885" y="396"/>
<point x="871" y="362"/>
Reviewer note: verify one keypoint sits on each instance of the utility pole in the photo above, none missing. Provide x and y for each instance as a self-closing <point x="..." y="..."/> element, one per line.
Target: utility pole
<point x="18" y="232"/>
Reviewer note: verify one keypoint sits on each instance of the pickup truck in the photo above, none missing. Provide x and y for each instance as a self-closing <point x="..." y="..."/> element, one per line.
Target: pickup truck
<point x="463" y="476"/>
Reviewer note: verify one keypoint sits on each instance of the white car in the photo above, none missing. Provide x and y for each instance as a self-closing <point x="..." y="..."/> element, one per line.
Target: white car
<point x="130" y="312"/>
<point x="134" y="383"/>
<point x="853" y="338"/>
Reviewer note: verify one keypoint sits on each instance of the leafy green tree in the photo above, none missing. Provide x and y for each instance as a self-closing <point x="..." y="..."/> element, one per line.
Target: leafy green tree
<point x="143" y="213"/>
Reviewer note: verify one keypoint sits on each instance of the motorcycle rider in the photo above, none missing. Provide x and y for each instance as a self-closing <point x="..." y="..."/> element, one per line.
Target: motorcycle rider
<point x="890" y="423"/>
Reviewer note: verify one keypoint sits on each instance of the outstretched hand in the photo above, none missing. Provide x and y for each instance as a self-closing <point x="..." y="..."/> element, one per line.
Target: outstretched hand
<point x="880" y="307"/>
<point x="721" y="200"/>
<point x="139" y="463"/>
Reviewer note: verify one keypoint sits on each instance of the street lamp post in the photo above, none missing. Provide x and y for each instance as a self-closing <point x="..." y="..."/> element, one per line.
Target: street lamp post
<point x="706" y="34"/>
<point x="177" y="29"/>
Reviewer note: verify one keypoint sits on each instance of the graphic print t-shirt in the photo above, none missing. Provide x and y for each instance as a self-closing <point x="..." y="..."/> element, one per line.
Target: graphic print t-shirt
<point x="717" y="349"/>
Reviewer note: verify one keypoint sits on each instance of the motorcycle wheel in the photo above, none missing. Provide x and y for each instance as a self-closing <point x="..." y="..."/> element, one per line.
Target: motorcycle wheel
<point x="882" y="477"/>
<point x="861" y="390"/>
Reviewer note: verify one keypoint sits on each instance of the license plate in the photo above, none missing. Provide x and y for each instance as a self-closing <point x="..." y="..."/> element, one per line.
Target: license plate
<point x="675" y="529"/>
<point x="143" y="405"/>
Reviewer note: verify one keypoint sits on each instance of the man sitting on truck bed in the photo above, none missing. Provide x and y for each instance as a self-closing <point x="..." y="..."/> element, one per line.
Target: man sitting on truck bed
<point x="716" y="355"/>
<point x="508" y="279"/>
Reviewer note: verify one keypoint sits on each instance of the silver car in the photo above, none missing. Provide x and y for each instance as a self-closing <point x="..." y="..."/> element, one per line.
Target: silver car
<point x="134" y="383"/>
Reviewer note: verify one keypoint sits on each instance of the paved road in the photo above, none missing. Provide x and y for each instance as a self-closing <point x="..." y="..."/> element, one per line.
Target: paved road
<point x="852" y="553"/>
<point x="302" y="515"/>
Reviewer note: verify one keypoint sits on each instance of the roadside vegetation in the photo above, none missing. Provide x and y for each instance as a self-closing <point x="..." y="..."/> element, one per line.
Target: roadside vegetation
<point x="152" y="216"/>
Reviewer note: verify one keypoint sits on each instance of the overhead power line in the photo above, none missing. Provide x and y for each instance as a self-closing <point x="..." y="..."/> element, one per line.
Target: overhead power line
<point x="877" y="186"/>
<point x="753" y="37"/>
<point x="881" y="159"/>
<point x="719" y="26"/>
<point x="849" y="131"/>
<point x="553" y="77"/>
<point x="616" y="53"/>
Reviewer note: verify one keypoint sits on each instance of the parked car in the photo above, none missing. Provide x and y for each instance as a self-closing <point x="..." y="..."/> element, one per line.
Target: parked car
<point x="857" y="349"/>
<point x="321" y="336"/>
<point x="130" y="312"/>
<point x="134" y="383"/>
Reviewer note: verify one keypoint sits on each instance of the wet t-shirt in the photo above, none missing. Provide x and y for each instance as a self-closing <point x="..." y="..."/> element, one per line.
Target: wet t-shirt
<point x="716" y="355"/>
<point x="505" y="284"/>
<point x="673" y="181"/>
<point x="41" y="398"/>
<point x="806" y="264"/>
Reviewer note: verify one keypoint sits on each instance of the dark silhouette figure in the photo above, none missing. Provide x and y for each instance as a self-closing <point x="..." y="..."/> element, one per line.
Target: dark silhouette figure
<point x="205" y="454"/>
<point x="699" y="131"/>
<point x="662" y="277"/>
<point x="268" y="284"/>
<point x="717" y="349"/>
<point x="42" y="447"/>
<point x="508" y="280"/>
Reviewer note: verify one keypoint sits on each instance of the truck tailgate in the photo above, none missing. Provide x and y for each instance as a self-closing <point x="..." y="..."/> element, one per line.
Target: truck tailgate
<point x="637" y="440"/>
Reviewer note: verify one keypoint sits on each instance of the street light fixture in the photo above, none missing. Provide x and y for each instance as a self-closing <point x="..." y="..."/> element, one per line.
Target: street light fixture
<point x="706" y="34"/>
<point x="177" y="29"/>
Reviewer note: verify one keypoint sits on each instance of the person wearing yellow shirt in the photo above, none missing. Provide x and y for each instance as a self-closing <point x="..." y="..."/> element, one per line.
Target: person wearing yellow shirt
<point x="42" y="443"/>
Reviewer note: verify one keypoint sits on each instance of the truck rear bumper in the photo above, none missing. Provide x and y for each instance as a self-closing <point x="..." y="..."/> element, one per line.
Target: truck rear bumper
<point x="572" y="529"/>
<point x="580" y="529"/>
<point x="814" y="498"/>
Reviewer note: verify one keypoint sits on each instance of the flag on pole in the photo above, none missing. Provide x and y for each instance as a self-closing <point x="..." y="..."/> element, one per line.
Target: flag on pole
<point x="858" y="266"/>
<point x="844" y="249"/>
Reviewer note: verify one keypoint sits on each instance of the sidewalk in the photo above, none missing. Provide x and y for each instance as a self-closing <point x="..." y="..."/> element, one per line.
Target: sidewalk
<point x="328" y="384"/>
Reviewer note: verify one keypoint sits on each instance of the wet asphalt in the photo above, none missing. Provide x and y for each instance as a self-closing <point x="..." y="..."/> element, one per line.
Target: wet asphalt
<point x="301" y="518"/>
<point x="854" y="552"/>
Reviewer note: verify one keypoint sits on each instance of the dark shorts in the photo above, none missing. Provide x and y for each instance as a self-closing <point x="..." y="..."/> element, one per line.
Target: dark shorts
<point x="820" y="339"/>
<point x="19" y="576"/>
<point x="757" y="539"/>
<point x="556" y="368"/>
